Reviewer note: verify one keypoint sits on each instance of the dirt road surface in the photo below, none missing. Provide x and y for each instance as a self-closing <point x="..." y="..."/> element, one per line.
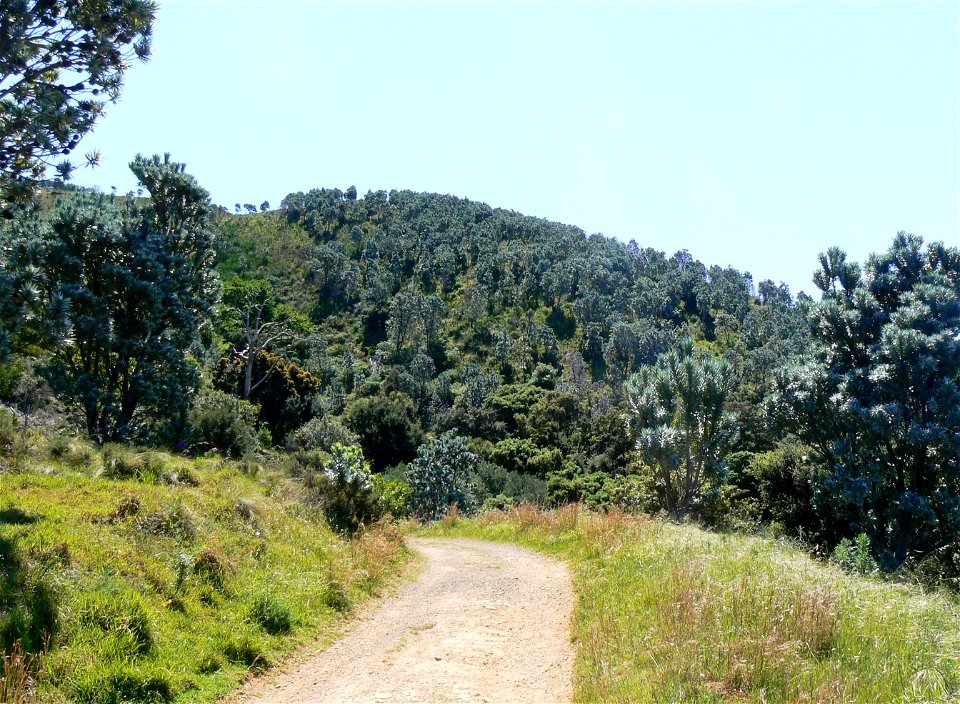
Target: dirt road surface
<point x="484" y="622"/>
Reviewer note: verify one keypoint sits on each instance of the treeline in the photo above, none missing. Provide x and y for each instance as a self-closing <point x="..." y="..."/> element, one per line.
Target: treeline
<point x="408" y="350"/>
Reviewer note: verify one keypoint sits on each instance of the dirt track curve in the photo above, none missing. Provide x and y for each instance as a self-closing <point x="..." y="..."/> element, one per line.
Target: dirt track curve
<point x="484" y="622"/>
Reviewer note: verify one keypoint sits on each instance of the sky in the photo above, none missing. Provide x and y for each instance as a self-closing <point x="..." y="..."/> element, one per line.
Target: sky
<point x="753" y="134"/>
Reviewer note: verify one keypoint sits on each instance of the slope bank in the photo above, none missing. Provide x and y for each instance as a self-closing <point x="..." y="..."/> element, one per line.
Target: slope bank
<point x="150" y="577"/>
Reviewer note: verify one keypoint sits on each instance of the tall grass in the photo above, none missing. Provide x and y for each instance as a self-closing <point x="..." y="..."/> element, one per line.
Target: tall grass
<point x="672" y="613"/>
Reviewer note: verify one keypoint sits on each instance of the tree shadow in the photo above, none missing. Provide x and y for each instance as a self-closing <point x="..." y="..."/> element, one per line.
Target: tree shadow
<point x="28" y="603"/>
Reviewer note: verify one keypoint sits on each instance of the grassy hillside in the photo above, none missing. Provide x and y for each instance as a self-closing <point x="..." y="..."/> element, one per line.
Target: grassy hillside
<point x="149" y="577"/>
<point x="670" y="613"/>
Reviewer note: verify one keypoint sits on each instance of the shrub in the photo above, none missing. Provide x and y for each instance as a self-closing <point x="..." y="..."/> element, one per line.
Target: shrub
<point x="224" y="422"/>
<point x="392" y="495"/>
<point x="271" y="614"/>
<point x="855" y="555"/>
<point x="345" y="488"/>
<point x="442" y="475"/>
<point x="321" y="434"/>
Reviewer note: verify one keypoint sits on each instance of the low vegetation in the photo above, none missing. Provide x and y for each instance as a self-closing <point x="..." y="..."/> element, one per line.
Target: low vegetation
<point x="137" y="575"/>
<point x="670" y="613"/>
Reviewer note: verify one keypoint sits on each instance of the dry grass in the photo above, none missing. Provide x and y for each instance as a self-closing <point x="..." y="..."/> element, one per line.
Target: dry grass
<point x="17" y="675"/>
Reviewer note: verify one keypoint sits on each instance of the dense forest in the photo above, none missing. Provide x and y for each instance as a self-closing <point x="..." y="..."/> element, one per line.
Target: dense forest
<point x="406" y="351"/>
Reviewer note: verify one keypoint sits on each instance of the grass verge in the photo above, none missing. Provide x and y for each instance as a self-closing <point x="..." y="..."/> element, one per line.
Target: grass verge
<point x="672" y="613"/>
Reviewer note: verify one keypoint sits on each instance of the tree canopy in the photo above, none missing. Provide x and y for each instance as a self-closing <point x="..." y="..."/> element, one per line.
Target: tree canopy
<point x="61" y="64"/>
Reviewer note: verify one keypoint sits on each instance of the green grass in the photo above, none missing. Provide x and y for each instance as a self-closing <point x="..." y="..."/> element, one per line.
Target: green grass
<point x="669" y="613"/>
<point x="149" y="577"/>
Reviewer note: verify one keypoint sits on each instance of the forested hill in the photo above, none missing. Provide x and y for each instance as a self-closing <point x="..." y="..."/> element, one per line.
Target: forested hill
<point x="426" y="313"/>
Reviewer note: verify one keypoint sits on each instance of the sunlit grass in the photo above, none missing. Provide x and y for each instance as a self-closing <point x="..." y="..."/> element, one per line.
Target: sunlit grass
<point x="176" y="585"/>
<point x="671" y="613"/>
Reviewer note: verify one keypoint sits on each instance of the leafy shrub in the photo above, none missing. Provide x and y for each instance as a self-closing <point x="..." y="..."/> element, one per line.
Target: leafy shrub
<point x="392" y="495"/>
<point x="387" y="427"/>
<point x="345" y="488"/>
<point x="855" y="555"/>
<point x="500" y="502"/>
<point x="321" y="434"/>
<point x="271" y="614"/>
<point x="442" y="475"/>
<point x="601" y="491"/>
<point x="493" y="480"/>
<point x="224" y="422"/>
<point x="117" y="683"/>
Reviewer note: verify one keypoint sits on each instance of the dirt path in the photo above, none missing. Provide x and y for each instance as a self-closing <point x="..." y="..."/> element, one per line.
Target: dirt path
<point x="483" y="623"/>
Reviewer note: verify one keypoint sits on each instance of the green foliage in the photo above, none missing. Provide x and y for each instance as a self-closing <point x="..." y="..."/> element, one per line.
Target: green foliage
<point x="879" y="398"/>
<point x="321" y="434"/>
<point x="393" y="496"/>
<point x="492" y="480"/>
<point x="855" y="555"/>
<point x="283" y="395"/>
<point x="678" y="409"/>
<point x="387" y="429"/>
<point x="271" y="614"/>
<point x="62" y="63"/>
<point x="128" y="283"/>
<point x="600" y="491"/>
<point x="345" y="488"/>
<point x="440" y="476"/>
<point x="221" y="421"/>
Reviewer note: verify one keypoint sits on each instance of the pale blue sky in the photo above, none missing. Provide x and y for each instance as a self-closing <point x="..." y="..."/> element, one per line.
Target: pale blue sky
<point x="751" y="134"/>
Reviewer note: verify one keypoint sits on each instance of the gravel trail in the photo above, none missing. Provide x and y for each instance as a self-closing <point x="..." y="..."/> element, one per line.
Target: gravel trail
<point x="484" y="622"/>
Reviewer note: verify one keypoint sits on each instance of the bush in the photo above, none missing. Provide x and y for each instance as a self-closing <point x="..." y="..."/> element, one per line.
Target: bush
<point x="344" y="487"/>
<point x="440" y="476"/>
<point x="493" y="480"/>
<point x="855" y="555"/>
<point x="321" y="434"/>
<point x="225" y="423"/>
<point x="271" y="614"/>
<point x="393" y="495"/>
